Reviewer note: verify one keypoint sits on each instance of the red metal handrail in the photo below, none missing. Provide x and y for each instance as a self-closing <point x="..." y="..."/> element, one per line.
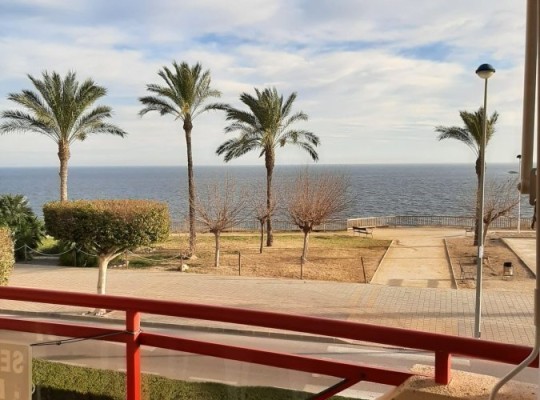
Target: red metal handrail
<point x="442" y="345"/>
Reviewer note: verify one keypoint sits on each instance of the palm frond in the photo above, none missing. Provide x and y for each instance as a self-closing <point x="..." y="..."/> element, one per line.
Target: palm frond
<point x="460" y="134"/>
<point x="161" y="105"/>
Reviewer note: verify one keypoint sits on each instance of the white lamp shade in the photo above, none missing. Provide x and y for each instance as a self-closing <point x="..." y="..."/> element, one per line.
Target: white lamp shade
<point x="484" y="71"/>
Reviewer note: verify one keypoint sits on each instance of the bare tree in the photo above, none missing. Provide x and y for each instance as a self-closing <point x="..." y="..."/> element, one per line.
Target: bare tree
<point x="263" y="210"/>
<point x="221" y="208"/>
<point x="500" y="200"/>
<point x="313" y="199"/>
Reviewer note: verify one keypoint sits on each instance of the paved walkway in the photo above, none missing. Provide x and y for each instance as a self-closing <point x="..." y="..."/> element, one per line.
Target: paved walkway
<point x="507" y="315"/>
<point x="415" y="260"/>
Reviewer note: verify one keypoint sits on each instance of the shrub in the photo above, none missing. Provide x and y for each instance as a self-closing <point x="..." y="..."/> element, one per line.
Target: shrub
<point x="106" y="228"/>
<point x="6" y="255"/>
<point x="26" y="228"/>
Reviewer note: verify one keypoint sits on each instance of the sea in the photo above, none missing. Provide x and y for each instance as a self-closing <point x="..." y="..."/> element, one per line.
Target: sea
<point x="376" y="190"/>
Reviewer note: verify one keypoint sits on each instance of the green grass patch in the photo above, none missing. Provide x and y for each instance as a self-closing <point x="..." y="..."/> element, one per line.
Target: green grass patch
<point x="56" y="381"/>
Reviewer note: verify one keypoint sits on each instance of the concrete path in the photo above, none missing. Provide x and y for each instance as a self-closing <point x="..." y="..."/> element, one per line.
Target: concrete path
<point x="415" y="259"/>
<point x="525" y="249"/>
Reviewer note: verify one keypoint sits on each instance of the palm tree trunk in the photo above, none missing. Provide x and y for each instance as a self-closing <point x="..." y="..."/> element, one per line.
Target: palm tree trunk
<point x="478" y="217"/>
<point x="269" y="162"/>
<point x="269" y="170"/>
<point x="188" y="126"/>
<point x="63" y="155"/>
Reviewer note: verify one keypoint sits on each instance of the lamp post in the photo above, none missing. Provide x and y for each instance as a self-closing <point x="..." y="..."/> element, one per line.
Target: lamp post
<point x="519" y="196"/>
<point x="484" y="71"/>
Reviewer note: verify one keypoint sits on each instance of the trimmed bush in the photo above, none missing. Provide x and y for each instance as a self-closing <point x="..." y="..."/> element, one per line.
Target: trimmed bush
<point x="6" y="255"/>
<point x="55" y="381"/>
<point x="106" y="228"/>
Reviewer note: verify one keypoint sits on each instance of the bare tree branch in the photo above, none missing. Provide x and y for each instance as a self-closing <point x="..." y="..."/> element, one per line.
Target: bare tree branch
<point x="220" y="208"/>
<point x="313" y="199"/>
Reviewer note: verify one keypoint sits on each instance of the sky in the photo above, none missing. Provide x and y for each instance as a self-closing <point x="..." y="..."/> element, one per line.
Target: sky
<point x="374" y="77"/>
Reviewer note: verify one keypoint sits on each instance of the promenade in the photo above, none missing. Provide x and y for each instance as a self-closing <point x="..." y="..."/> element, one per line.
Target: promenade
<point x="507" y="315"/>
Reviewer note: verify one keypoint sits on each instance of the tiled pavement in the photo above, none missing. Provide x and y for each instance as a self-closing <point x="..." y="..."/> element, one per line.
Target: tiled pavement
<point x="507" y="315"/>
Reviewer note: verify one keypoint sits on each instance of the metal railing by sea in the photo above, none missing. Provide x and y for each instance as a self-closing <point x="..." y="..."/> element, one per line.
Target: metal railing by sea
<point x="434" y="220"/>
<point x="442" y="346"/>
<point x="383" y="221"/>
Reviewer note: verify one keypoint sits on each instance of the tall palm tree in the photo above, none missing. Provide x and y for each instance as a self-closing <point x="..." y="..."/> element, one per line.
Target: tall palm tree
<point x="183" y="96"/>
<point x="263" y="128"/>
<point x="471" y="134"/>
<point x="61" y="109"/>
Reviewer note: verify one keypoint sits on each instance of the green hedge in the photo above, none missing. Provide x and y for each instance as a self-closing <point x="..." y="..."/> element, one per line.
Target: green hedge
<point x="108" y="224"/>
<point x="6" y="255"/>
<point x="55" y="381"/>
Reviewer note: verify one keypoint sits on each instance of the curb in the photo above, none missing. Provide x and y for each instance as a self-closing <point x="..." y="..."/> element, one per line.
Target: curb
<point x="382" y="260"/>
<point x="454" y="281"/>
<point x="165" y="325"/>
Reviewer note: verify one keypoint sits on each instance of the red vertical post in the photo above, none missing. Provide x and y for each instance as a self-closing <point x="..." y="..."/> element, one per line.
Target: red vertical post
<point x="443" y="367"/>
<point x="133" y="355"/>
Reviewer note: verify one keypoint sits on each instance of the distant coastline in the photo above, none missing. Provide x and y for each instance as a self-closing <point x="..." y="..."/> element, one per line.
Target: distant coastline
<point x="377" y="189"/>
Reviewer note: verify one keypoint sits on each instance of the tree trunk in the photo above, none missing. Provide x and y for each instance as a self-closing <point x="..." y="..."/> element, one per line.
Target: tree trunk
<point x="305" y="250"/>
<point x="63" y="156"/>
<point x="262" y="236"/>
<point x="269" y="162"/>
<point x="216" y="254"/>
<point x="477" y="213"/>
<point x="103" y="263"/>
<point x="188" y="126"/>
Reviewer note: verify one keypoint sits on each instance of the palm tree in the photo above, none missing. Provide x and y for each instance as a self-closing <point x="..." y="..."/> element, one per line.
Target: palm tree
<point x="263" y="128"/>
<point x="183" y="96"/>
<point x="471" y="134"/>
<point x="60" y="109"/>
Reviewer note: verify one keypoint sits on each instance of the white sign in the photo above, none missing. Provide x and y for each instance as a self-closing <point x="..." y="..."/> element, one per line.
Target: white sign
<point x="15" y="371"/>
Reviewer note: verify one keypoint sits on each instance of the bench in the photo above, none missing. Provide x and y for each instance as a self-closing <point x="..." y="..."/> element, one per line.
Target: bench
<point x="364" y="230"/>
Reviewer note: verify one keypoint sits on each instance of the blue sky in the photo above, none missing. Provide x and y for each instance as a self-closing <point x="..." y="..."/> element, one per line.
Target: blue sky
<point x="375" y="77"/>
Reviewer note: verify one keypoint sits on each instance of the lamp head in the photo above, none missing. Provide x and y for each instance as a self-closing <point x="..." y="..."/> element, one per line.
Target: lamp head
<point x="484" y="71"/>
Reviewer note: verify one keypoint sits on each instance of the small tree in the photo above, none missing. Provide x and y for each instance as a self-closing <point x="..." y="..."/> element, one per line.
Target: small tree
<point x="6" y="255"/>
<point x="220" y="209"/>
<point x="315" y="199"/>
<point x="26" y="228"/>
<point x="501" y="199"/>
<point x="107" y="228"/>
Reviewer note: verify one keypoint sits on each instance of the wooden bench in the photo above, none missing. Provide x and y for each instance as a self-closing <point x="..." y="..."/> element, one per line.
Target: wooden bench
<point x="364" y="230"/>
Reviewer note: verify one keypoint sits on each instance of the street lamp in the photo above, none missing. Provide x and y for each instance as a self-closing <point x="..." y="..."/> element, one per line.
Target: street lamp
<point x="484" y="71"/>
<point x="519" y="195"/>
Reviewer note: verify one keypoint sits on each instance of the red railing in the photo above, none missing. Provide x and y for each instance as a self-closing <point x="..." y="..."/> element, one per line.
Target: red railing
<point x="443" y="346"/>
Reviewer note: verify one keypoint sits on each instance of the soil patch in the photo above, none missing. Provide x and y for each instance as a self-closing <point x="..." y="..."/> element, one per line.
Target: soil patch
<point x="332" y="256"/>
<point x="463" y="252"/>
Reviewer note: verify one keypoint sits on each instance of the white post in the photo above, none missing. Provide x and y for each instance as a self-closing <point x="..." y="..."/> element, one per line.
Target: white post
<point x="484" y="71"/>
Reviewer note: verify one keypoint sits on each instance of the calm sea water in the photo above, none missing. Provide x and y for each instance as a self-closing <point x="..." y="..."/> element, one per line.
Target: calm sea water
<point x="377" y="190"/>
